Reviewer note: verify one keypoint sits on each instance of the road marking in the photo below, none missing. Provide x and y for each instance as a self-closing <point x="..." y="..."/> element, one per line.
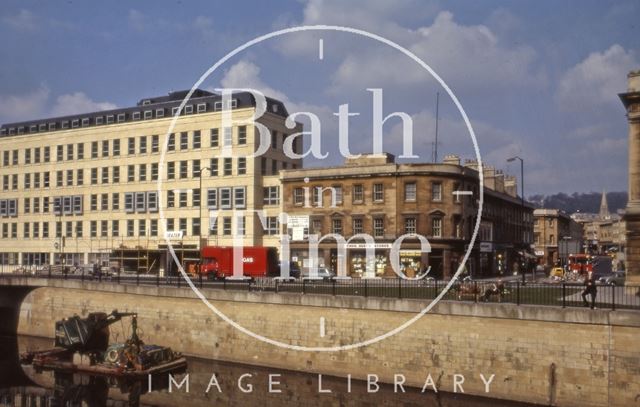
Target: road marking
<point x="321" y="49"/>
<point x="322" y="327"/>
<point x="462" y="192"/>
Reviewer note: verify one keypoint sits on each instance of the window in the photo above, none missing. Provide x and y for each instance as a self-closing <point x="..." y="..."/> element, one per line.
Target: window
<point x="337" y="190"/>
<point x="227" y="166"/>
<point x="130" y="227"/>
<point x="142" y="172"/>
<point x="104" y="202"/>
<point x="59" y="154"/>
<point x="12" y="207"/>
<point x="59" y="175"/>
<point x="27" y="181"/>
<point x="358" y="194"/>
<point x="115" y="201"/>
<point x="45" y="204"/>
<point x="148" y="114"/>
<point x="75" y="123"/>
<point x="171" y="142"/>
<point x="226" y="226"/>
<point x="105" y="175"/>
<point x="141" y="201"/>
<point x="271" y="195"/>
<point x="80" y="151"/>
<point x="155" y="143"/>
<point x="110" y="119"/>
<point x="154" y="227"/>
<point x="263" y="165"/>
<point x="227" y="136"/>
<point x="242" y="134"/>
<point x="182" y="225"/>
<point x="212" y="198"/>
<point x="94" y="202"/>
<point x="184" y="169"/>
<point x="336" y="226"/>
<point x="15" y="156"/>
<point x="154" y="171"/>
<point x="77" y="205"/>
<point x="159" y="113"/>
<point x="152" y="201"/>
<point x="410" y="192"/>
<point x="436" y="191"/>
<point x="94" y="176"/>
<point x="195" y="226"/>
<point x="188" y="109"/>
<point x="214" y="138"/>
<point x="202" y="107"/>
<point x="357" y="226"/>
<point x="274" y="166"/>
<point x="45" y="229"/>
<point x="298" y="196"/>
<point x="171" y="199"/>
<point x="182" y="199"/>
<point x="128" y="202"/>
<point x="115" y="175"/>
<point x="225" y="198"/>
<point x="26" y="229"/>
<point x="14" y="180"/>
<point x="135" y="116"/>
<point x="115" y="228"/>
<point x="36" y="229"/>
<point x="27" y="156"/>
<point x="196" y="139"/>
<point x="213" y="167"/>
<point x="143" y="144"/>
<point x="271" y="225"/>
<point x="184" y="140"/>
<point x="239" y="197"/>
<point x="36" y="205"/>
<point x="242" y="165"/>
<point x="171" y="170"/>
<point x="47" y="154"/>
<point x="131" y="149"/>
<point x="69" y="177"/>
<point x="36" y="155"/>
<point x="27" y="205"/>
<point x="5" y="158"/>
<point x="241" y="226"/>
<point x="195" y="168"/>
<point x="5" y="182"/>
<point x="131" y="173"/>
<point x="274" y="139"/>
<point x="457" y="198"/>
<point x="142" y="227"/>
<point x="85" y="122"/>
<point x="99" y="120"/>
<point x="94" y="149"/>
<point x="80" y="176"/>
<point x="378" y="193"/>
<point x="378" y="227"/>
<point x="436" y="227"/>
<point x="105" y="148"/>
<point x="410" y="225"/>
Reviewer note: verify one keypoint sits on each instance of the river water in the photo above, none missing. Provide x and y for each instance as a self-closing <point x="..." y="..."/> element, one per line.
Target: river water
<point x="229" y="384"/>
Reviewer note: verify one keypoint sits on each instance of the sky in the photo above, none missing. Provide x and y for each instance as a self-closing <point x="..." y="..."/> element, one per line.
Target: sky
<point x="537" y="79"/>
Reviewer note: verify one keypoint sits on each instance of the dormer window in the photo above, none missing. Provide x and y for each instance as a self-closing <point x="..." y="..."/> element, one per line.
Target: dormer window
<point x="159" y="113"/>
<point x="85" y="122"/>
<point x="64" y="125"/>
<point x="146" y="102"/>
<point x="110" y="119"/>
<point x="121" y="117"/>
<point x="75" y="123"/>
<point x="274" y="108"/>
<point x="188" y="109"/>
<point x="99" y="120"/>
<point x="202" y="107"/>
<point x="3" y="132"/>
<point x="148" y="114"/>
<point x="233" y="103"/>
<point x="32" y="129"/>
<point x="42" y="127"/>
<point x="52" y="126"/>
<point x="136" y="116"/>
<point x="12" y="131"/>
<point x="174" y="111"/>
<point x="217" y="106"/>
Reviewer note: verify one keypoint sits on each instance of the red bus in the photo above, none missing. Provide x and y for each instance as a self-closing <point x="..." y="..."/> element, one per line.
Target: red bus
<point x="580" y="263"/>
<point x="217" y="261"/>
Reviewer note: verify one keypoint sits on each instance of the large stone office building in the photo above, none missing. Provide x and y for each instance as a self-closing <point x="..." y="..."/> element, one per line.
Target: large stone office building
<point x="84" y="188"/>
<point x="375" y="195"/>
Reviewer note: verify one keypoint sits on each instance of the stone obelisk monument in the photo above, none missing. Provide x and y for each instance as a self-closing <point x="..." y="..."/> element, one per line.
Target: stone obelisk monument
<point x="631" y="101"/>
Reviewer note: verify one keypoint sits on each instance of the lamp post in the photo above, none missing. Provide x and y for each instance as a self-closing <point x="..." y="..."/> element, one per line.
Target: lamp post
<point x="509" y="160"/>
<point x="200" y="218"/>
<point x="565" y="240"/>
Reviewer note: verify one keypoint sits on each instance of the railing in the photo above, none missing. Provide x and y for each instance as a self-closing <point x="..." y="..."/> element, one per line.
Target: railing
<point x="563" y="294"/>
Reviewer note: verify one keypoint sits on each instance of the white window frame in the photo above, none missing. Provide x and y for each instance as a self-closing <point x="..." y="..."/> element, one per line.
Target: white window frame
<point x="159" y="113"/>
<point x="152" y="201"/>
<point x="135" y="116"/>
<point x="202" y="107"/>
<point x="129" y="203"/>
<point x="225" y="203"/>
<point x="141" y="201"/>
<point x="212" y="198"/>
<point x="148" y="114"/>
<point x="240" y="193"/>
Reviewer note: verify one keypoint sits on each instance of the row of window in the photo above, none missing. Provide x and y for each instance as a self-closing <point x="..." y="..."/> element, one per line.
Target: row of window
<point x="146" y="114"/>
<point x="301" y="194"/>
<point x="134" y="228"/>
<point x="378" y="225"/>
<point x="135" y="145"/>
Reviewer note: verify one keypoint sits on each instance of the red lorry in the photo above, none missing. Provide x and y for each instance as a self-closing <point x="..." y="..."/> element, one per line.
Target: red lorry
<point x="217" y="261"/>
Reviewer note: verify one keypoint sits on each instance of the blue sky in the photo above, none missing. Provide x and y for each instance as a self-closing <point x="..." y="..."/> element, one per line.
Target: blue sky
<point x="537" y="78"/>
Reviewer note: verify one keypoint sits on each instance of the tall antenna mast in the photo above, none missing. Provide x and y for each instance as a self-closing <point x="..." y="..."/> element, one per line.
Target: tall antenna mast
<point x="435" y="149"/>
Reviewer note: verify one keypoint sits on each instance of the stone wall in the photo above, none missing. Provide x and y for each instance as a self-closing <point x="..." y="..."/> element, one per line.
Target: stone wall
<point x="565" y="357"/>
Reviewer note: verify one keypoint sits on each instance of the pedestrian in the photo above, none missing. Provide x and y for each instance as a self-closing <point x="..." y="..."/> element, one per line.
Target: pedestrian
<point x="591" y="289"/>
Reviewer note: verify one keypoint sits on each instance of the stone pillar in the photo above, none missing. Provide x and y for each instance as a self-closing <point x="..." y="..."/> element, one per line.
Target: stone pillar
<point x="631" y="101"/>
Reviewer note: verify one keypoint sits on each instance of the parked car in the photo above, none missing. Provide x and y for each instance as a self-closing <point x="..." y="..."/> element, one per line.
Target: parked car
<point x="557" y="272"/>
<point x="615" y="278"/>
<point x="323" y="273"/>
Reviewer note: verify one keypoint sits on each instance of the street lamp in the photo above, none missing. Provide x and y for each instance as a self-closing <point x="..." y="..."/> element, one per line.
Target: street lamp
<point x="200" y="217"/>
<point x="509" y="160"/>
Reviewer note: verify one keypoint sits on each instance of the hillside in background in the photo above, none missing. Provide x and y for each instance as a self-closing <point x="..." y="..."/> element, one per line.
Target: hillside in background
<point x="583" y="202"/>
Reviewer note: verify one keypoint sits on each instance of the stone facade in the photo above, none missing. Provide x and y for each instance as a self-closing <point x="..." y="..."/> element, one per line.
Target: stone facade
<point x="631" y="101"/>
<point x="543" y="355"/>
<point x="555" y="235"/>
<point x="376" y="196"/>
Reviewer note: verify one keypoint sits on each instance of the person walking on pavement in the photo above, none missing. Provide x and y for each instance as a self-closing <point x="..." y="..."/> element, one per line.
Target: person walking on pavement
<point x="590" y="288"/>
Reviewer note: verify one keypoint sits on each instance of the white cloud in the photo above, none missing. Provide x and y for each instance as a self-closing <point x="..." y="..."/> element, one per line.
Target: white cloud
<point x="38" y="104"/>
<point x="25" y="20"/>
<point x="137" y="20"/>
<point x="596" y="80"/>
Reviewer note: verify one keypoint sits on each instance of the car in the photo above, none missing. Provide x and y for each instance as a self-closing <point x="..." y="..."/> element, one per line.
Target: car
<point x="557" y="272"/>
<point x="323" y="274"/>
<point x="294" y="269"/>
<point x="616" y="278"/>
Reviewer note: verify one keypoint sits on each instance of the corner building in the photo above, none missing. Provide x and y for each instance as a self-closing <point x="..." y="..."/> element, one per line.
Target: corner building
<point x="376" y="196"/>
<point x="83" y="188"/>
